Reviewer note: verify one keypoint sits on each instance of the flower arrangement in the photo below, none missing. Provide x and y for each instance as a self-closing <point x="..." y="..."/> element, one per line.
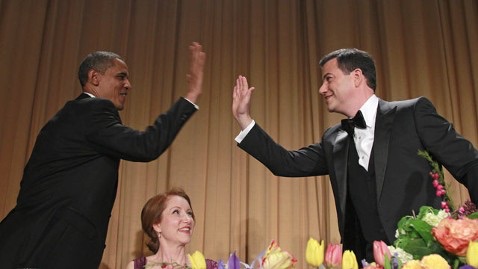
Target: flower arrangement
<point x="433" y="239"/>
<point x="271" y="258"/>
<point x="452" y="243"/>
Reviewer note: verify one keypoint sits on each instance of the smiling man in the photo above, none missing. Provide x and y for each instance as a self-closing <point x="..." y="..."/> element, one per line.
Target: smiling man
<point x="371" y="156"/>
<point x="69" y="183"/>
<point x="111" y="83"/>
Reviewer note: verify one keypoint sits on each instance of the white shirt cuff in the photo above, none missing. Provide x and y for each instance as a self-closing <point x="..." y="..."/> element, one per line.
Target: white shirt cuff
<point x="244" y="132"/>
<point x="196" y="106"/>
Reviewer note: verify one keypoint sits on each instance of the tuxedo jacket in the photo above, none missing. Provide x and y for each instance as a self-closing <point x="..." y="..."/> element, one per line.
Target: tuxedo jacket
<point x="70" y="182"/>
<point x="403" y="182"/>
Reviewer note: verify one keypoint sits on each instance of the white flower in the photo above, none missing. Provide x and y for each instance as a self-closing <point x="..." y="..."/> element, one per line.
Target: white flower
<point x="433" y="219"/>
<point x="401" y="254"/>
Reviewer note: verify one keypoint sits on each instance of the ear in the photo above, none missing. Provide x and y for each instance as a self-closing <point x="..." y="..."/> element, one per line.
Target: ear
<point x="358" y="77"/>
<point x="93" y="77"/>
<point x="157" y="227"/>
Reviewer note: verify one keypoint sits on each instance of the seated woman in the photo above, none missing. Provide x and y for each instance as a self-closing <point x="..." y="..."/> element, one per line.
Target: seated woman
<point x="168" y="220"/>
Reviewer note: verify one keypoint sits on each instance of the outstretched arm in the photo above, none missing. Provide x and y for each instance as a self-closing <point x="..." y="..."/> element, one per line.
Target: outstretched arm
<point x="241" y="99"/>
<point x="196" y="71"/>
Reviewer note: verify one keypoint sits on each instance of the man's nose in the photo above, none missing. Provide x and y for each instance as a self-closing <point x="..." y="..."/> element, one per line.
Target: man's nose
<point x="128" y="84"/>
<point x="322" y="88"/>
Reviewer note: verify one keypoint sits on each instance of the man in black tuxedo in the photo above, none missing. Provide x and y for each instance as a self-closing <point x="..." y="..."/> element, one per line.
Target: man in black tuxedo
<point x="376" y="174"/>
<point x="70" y="181"/>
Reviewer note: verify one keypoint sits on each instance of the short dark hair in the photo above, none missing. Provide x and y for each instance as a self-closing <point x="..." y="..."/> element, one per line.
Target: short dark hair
<point x="99" y="61"/>
<point x="152" y="212"/>
<point x="349" y="59"/>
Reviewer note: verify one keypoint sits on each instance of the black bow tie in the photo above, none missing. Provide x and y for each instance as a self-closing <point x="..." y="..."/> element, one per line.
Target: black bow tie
<point x="357" y="121"/>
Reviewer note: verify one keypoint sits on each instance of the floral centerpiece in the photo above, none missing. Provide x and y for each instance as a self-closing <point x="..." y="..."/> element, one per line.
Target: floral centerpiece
<point x="433" y="239"/>
<point x="271" y="258"/>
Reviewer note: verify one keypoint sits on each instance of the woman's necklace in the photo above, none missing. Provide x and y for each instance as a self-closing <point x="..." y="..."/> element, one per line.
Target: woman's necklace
<point x="168" y="265"/>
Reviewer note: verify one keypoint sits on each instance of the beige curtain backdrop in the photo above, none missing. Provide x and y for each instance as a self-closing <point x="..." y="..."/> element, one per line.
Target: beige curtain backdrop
<point x="421" y="47"/>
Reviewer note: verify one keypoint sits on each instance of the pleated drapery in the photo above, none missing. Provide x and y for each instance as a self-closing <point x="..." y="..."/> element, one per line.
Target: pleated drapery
<point x="421" y="47"/>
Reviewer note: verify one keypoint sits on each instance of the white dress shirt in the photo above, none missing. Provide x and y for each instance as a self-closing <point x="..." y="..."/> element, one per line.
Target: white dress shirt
<point x="364" y="138"/>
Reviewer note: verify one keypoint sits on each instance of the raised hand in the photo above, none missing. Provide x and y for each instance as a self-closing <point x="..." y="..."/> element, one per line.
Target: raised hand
<point x="241" y="99"/>
<point x="194" y="77"/>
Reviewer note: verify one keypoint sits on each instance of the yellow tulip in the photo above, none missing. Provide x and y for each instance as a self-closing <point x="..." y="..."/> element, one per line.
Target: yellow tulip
<point x="314" y="253"/>
<point x="472" y="254"/>
<point x="349" y="261"/>
<point x="197" y="260"/>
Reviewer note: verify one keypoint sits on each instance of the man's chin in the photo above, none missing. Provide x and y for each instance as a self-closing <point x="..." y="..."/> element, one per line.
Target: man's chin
<point x="330" y="109"/>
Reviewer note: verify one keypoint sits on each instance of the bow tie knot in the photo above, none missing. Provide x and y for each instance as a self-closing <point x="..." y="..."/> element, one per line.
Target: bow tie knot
<point x="358" y="121"/>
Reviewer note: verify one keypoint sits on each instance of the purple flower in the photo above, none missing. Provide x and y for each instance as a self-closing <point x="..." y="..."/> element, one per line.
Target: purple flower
<point x="233" y="262"/>
<point x="466" y="266"/>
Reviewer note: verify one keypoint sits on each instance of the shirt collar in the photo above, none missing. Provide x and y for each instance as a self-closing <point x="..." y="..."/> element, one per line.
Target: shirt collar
<point x="91" y="95"/>
<point x="369" y="110"/>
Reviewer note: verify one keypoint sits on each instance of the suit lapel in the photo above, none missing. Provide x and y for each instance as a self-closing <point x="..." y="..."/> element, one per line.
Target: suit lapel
<point x="341" y="149"/>
<point x="383" y="130"/>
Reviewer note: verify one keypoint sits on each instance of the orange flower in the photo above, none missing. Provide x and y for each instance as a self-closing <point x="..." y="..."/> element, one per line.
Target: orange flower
<point x="455" y="234"/>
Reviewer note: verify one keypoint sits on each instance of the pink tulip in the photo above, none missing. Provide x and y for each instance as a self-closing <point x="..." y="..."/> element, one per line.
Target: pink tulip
<point x="380" y="250"/>
<point x="333" y="255"/>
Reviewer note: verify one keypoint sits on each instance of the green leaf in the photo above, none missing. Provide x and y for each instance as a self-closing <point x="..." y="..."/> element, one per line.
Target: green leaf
<point x="473" y="215"/>
<point x="419" y="248"/>
<point x="425" y="210"/>
<point x="423" y="229"/>
<point x="387" y="262"/>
